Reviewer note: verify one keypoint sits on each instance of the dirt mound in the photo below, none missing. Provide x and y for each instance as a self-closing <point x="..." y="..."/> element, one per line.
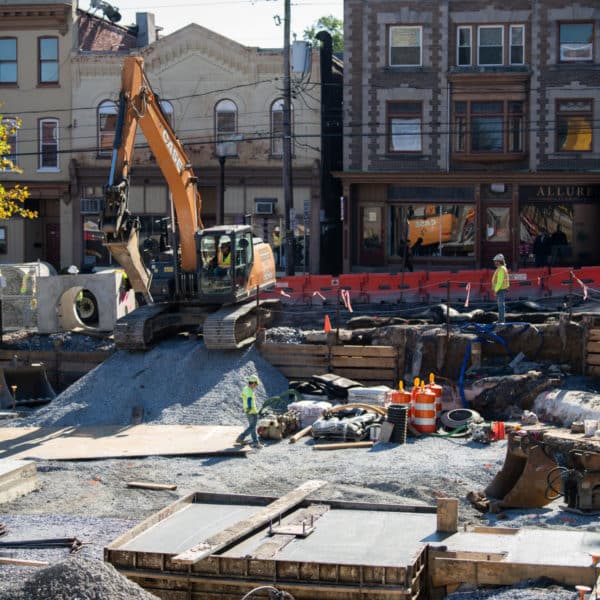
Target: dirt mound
<point x="80" y="578"/>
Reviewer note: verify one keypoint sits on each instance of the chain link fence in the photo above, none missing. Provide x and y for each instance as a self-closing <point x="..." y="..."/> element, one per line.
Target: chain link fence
<point x="18" y="295"/>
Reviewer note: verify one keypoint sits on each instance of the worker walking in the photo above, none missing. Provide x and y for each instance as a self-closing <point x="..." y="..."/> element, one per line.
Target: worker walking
<point x="276" y="243"/>
<point x="500" y="283"/>
<point x="249" y="405"/>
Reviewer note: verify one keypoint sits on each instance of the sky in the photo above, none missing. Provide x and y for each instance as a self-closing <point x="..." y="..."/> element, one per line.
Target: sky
<point x="248" y="22"/>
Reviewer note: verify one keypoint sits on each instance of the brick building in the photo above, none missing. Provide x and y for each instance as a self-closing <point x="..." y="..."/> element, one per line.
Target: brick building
<point x="470" y="126"/>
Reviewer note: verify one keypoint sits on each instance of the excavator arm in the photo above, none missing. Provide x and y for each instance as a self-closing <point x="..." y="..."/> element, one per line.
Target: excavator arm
<point x="138" y="105"/>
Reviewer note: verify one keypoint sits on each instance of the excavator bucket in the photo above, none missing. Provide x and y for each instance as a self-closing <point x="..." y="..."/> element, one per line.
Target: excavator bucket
<point x="523" y="480"/>
<point x="24" y="385"/>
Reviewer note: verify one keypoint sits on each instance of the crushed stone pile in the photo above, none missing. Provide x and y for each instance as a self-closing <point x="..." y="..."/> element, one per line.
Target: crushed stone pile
<point x="76" y="578"/>
<point x="178" y="382"/>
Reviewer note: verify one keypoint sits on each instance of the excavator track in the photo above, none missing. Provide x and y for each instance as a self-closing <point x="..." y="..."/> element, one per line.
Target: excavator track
<point x="234" y="327"/>
<point x="226" y="328"/>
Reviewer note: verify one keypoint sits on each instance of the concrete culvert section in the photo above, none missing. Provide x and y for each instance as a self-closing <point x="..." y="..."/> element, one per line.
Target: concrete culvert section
<point x="77" y="308"/>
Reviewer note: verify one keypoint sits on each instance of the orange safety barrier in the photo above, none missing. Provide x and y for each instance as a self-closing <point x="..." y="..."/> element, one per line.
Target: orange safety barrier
<point x="432" y="286"/>
<point x="424" y="411"/>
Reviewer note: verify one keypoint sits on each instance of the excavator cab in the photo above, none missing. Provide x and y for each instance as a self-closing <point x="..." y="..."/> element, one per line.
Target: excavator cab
<point x="225" y="258"/>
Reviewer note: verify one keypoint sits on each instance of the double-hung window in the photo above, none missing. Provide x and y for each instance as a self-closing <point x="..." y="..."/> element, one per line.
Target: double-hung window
<point x="404" y="122"/>
<point x="576" y="41"/>
<point x="48" y="59"/>
<point x="405" y="46"/>
<point x="225" y="120"/>
<point x="517" y="45"/>
<point x="464" y="48"/>
<point x="277" y="127"/>
<point x="48" y="150"/>
<point x="574" y="126"/>
<point x="490" y="45"/>
<point x="8" y="60"/>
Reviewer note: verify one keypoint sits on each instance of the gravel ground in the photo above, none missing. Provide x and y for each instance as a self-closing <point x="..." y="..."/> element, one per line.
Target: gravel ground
<point x="180" y="382"/>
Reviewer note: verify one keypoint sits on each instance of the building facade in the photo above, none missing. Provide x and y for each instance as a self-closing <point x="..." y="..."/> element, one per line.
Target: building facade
<point x="224" y="101"/>
<point x="469" y="129"/>
<point x="35" y="86"/>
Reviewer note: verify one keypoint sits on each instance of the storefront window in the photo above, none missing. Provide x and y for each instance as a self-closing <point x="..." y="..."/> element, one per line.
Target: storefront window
<point x="552" y="227"/>
<point x="432" y="229"/>
<point x="497" y="224"/>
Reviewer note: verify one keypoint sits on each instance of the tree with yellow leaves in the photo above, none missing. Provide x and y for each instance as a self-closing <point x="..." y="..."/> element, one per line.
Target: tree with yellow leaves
<point x="12" y="199"/>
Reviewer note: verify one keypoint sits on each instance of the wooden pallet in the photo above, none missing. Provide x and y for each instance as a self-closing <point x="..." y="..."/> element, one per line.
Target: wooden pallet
<point x="369" y="365"/>
<point x="592" y="353"/>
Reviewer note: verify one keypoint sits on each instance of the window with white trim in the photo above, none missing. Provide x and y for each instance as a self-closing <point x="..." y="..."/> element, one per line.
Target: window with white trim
<point x="8" y="60"/>
<point x="576" y="42"/>
<point x="48" y="148"/>
<point x="168" y="112"/>
<point x="492" y="50"/>
<point x="107" y="123"/>
<point x="490" y="45"/>
<point x="405" y="123"/>
<point x="405" y="46"/>
<point x="465" y="47"/>
<point x="517" y="45"/>
<point x="277" y="127"/>
<point x="225" y="120"/>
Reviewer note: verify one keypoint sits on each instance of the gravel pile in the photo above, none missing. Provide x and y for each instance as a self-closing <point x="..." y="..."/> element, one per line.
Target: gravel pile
<point x="177" y="382"/>
<point x="528" y="590"/>
<point x="76" y="578"/>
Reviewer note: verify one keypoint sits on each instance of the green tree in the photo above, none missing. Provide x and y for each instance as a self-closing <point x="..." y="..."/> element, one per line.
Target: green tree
<point x="11" y="199"/>
<point x="331" y="24"/>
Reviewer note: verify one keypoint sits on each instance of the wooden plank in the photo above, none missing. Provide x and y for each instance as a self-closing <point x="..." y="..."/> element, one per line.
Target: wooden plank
<point x="4" y="560"/>
<point x="241" y="529"/>
<point x="344" y="445"/>
<point x="593" y="359"/>
<point x="321" y="362"/>
<point x="593" y="371"/>
<point x="447" y="514"/>
<point x="300" y="434"/>
<point x="358" y="362"/>
<point x="447" y="571"/>
<point x="594" y="335"/>
<point x="364" y="351"/>
<point x="593" y="347"/>
<point x="151" y="486"/>
<point x="271" y="348"/>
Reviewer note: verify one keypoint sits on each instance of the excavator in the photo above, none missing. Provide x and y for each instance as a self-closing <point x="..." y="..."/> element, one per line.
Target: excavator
<point x="215" y="275"/>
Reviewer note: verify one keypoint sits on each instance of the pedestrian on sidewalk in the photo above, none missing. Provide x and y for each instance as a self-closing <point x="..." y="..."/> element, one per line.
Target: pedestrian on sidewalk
<point x="500" y="283"/>
<point x="251" y="412"/>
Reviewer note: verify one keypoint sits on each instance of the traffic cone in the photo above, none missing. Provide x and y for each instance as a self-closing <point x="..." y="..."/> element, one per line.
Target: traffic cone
<point x="327" y="324"/>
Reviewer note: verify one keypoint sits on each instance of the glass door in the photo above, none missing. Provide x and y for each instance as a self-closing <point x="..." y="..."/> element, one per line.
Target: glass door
<point x="371" y="236"/>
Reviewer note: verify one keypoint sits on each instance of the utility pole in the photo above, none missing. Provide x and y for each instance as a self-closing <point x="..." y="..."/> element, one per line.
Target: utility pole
<point x="288" y="197"/>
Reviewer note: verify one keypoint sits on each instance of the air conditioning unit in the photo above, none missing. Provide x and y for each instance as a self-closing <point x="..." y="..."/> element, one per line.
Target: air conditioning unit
<point x="264" y="206"/>
<point x="90" y="206"/>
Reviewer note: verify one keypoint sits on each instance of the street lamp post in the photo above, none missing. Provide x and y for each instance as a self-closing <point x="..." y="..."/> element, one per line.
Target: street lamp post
<point x="222" y="151"/>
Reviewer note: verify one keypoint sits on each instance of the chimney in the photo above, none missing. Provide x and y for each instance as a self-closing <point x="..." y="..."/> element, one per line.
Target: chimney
<point x="146" y="29"/>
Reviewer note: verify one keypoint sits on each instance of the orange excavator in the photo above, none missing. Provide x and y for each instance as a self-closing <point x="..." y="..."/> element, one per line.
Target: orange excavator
<point x="213" y="273"/>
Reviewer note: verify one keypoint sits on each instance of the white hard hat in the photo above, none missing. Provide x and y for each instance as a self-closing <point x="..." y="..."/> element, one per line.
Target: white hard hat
<point x="276" y="229"/>
<point x="73" y="270"/>
<point x="499" y="258"/>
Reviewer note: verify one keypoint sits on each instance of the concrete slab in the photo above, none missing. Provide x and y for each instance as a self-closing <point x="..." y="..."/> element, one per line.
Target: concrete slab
<point x="531" y="545"/>
<point x="86" y="443"/>
<point x="17" y="478"/>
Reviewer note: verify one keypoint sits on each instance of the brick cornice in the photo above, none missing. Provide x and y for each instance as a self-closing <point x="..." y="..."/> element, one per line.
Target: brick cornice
<point x="35" y="16"/>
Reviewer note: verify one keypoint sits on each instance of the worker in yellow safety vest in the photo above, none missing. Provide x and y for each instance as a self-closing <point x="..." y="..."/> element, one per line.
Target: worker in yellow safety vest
<point x="500" y="283"/>
<point x="223" y="259"/>
<point x="249" y="406"/>
<point x="276" y="243"/>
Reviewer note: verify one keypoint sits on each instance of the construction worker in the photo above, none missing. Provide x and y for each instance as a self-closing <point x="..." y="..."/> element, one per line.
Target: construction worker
<point x="276" y="243"/>
<point x="251" y="412"/>
<point x="224" y="259"/>
<point x="500" y="283"/>
<point x="28" y="289"/>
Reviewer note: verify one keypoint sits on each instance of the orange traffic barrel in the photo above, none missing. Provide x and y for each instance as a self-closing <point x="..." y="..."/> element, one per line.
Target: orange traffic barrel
<point x="401" y="396"/>
<point x="424" y="411"/>
<point x="437" y="390"/>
